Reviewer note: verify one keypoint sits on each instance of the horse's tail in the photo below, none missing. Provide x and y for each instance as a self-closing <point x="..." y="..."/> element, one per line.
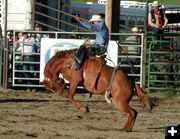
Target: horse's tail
<point x="144" y="98"/>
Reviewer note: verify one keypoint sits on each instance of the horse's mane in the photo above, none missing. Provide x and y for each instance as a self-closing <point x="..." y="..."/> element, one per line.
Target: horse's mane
<point x="63" y="53"/>
<point x="51" y="64"/>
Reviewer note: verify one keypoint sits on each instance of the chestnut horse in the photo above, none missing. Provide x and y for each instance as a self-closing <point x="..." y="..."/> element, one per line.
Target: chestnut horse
<point x="121" y="91"/>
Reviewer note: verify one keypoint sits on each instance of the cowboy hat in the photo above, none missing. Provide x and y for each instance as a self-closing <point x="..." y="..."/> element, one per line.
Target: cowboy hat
<point x="96" y="18"/>
<point x="156" y="4"/>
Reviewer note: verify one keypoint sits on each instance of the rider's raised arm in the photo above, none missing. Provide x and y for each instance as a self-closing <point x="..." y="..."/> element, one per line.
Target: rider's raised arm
<point x="90" y="26"/>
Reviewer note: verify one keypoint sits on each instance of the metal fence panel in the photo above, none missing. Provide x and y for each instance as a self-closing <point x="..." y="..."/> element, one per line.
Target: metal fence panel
<point x="164" y="65"/>
<point x="1" y="60"/>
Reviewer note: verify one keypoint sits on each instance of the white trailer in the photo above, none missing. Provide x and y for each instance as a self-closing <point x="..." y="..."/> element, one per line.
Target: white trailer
<point x="19" y="14"/>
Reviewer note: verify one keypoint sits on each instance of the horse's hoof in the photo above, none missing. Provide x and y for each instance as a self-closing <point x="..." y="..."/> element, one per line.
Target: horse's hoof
<point x="125" y="130"/>
<point x="84" y="109"/>
<point x="57" y="94"/>
<point x="87" y="109"/>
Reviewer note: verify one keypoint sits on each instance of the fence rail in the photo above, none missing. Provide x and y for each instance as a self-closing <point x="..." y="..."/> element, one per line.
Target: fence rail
<point x="1" y="60"/>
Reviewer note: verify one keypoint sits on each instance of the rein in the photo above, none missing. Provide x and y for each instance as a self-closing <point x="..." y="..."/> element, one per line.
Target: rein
<point x="50" y="80"/>
<point x="125" y="54"/>
<point x="110" y="59"/>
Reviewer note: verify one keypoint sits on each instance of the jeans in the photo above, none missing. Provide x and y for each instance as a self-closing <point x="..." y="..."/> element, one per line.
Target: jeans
<point x="96" y="50"/>
<point x="83" y="52"/>
<point x="158" y="33"/>
<point x="28" y="67"/>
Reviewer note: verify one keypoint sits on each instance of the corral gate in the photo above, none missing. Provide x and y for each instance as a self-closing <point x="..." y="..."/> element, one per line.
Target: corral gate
<point x="1" y="61"/>
<point x="164" y="65"/>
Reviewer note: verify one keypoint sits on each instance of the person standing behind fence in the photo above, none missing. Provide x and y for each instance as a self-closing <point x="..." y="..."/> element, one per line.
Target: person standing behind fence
<point x="133" y="40"/>
<point x="27" y="46"/>
<point x="38" y="36"/>
<point x="157" y="20"/>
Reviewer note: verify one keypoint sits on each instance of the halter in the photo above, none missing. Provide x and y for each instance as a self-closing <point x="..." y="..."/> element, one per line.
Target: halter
<point x="50" y="80"/>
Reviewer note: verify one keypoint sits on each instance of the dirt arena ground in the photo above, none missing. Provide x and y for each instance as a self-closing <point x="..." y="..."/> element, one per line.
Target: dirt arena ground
<point x="26" y="115"/>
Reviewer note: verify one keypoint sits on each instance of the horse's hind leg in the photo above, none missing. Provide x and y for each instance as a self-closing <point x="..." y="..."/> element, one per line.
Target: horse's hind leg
<point x="130" y="113"/>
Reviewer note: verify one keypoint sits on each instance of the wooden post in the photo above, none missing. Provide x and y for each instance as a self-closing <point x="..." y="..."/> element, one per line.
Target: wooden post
<point x="5" y="52"/>
<point x="33" y="2"/>
<point x="112" y="16"/>
<point x="145" y="46"/>
<point x="108" y="14"/>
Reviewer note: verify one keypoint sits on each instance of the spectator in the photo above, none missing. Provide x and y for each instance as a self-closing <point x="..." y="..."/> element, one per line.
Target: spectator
<point x="157" y="20"/>
<point x="133" y="40"/>
<point x="38" y="36"/>
<point x="10" y="40"/>
<point x="18" y="42"/>
<point x="26" y="46"/>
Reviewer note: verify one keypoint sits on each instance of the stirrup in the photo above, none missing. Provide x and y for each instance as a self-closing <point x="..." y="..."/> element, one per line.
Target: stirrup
<point x="68" y="66"/>
<point x="75" y="65"/>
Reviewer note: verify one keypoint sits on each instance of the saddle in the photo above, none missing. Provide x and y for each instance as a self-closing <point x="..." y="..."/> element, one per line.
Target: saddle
<point x="100" y="58"/>
<point x="93" y="82"/>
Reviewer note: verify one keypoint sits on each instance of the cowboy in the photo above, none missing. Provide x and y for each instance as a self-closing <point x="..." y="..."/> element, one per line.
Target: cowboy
<point x="98" y="46"/>
<point x="157" y="20"/>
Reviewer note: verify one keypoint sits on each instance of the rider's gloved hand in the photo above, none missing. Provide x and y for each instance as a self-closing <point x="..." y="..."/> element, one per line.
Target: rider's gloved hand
<point x="77" y="17"/>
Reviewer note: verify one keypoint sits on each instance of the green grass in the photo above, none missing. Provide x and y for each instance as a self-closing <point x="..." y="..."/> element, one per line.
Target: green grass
<point x="169" y="2"/>
<point x="164" y="2"/>
<point x="95" y="1"/>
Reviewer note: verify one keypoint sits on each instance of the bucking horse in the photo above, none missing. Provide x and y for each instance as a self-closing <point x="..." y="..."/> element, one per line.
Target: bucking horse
<point x="95" y="76"/>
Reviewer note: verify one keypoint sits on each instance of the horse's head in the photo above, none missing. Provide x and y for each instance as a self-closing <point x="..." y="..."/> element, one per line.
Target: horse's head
<point x="56" y="65"/>
<point x="52" y="84"/>
<point x="57" y="86"/>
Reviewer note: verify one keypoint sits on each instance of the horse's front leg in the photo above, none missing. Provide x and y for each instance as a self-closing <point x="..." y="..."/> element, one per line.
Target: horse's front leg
<point x="61" y="92"/>
<point x="59" y="87"/>
<point x="75" y="80"/>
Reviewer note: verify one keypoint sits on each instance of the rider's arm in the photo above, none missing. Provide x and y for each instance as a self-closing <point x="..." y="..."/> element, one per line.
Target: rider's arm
<point x="90" y="26"/>
<point x="87" y="24"/>
<point x="150" y="21"/>
<point x="165" y="20"/>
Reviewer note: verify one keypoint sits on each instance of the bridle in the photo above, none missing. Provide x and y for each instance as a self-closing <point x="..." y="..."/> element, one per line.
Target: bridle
<point x="55" y="80"/>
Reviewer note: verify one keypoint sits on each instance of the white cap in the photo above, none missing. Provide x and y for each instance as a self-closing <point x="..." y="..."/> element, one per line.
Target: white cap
<point x="96" y="18"/>
<point x="135" y="29"/>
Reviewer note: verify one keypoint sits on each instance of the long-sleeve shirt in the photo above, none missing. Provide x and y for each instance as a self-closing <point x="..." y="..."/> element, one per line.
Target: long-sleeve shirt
<point x="101" y="30"/>
<point x="26" y="46"/>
